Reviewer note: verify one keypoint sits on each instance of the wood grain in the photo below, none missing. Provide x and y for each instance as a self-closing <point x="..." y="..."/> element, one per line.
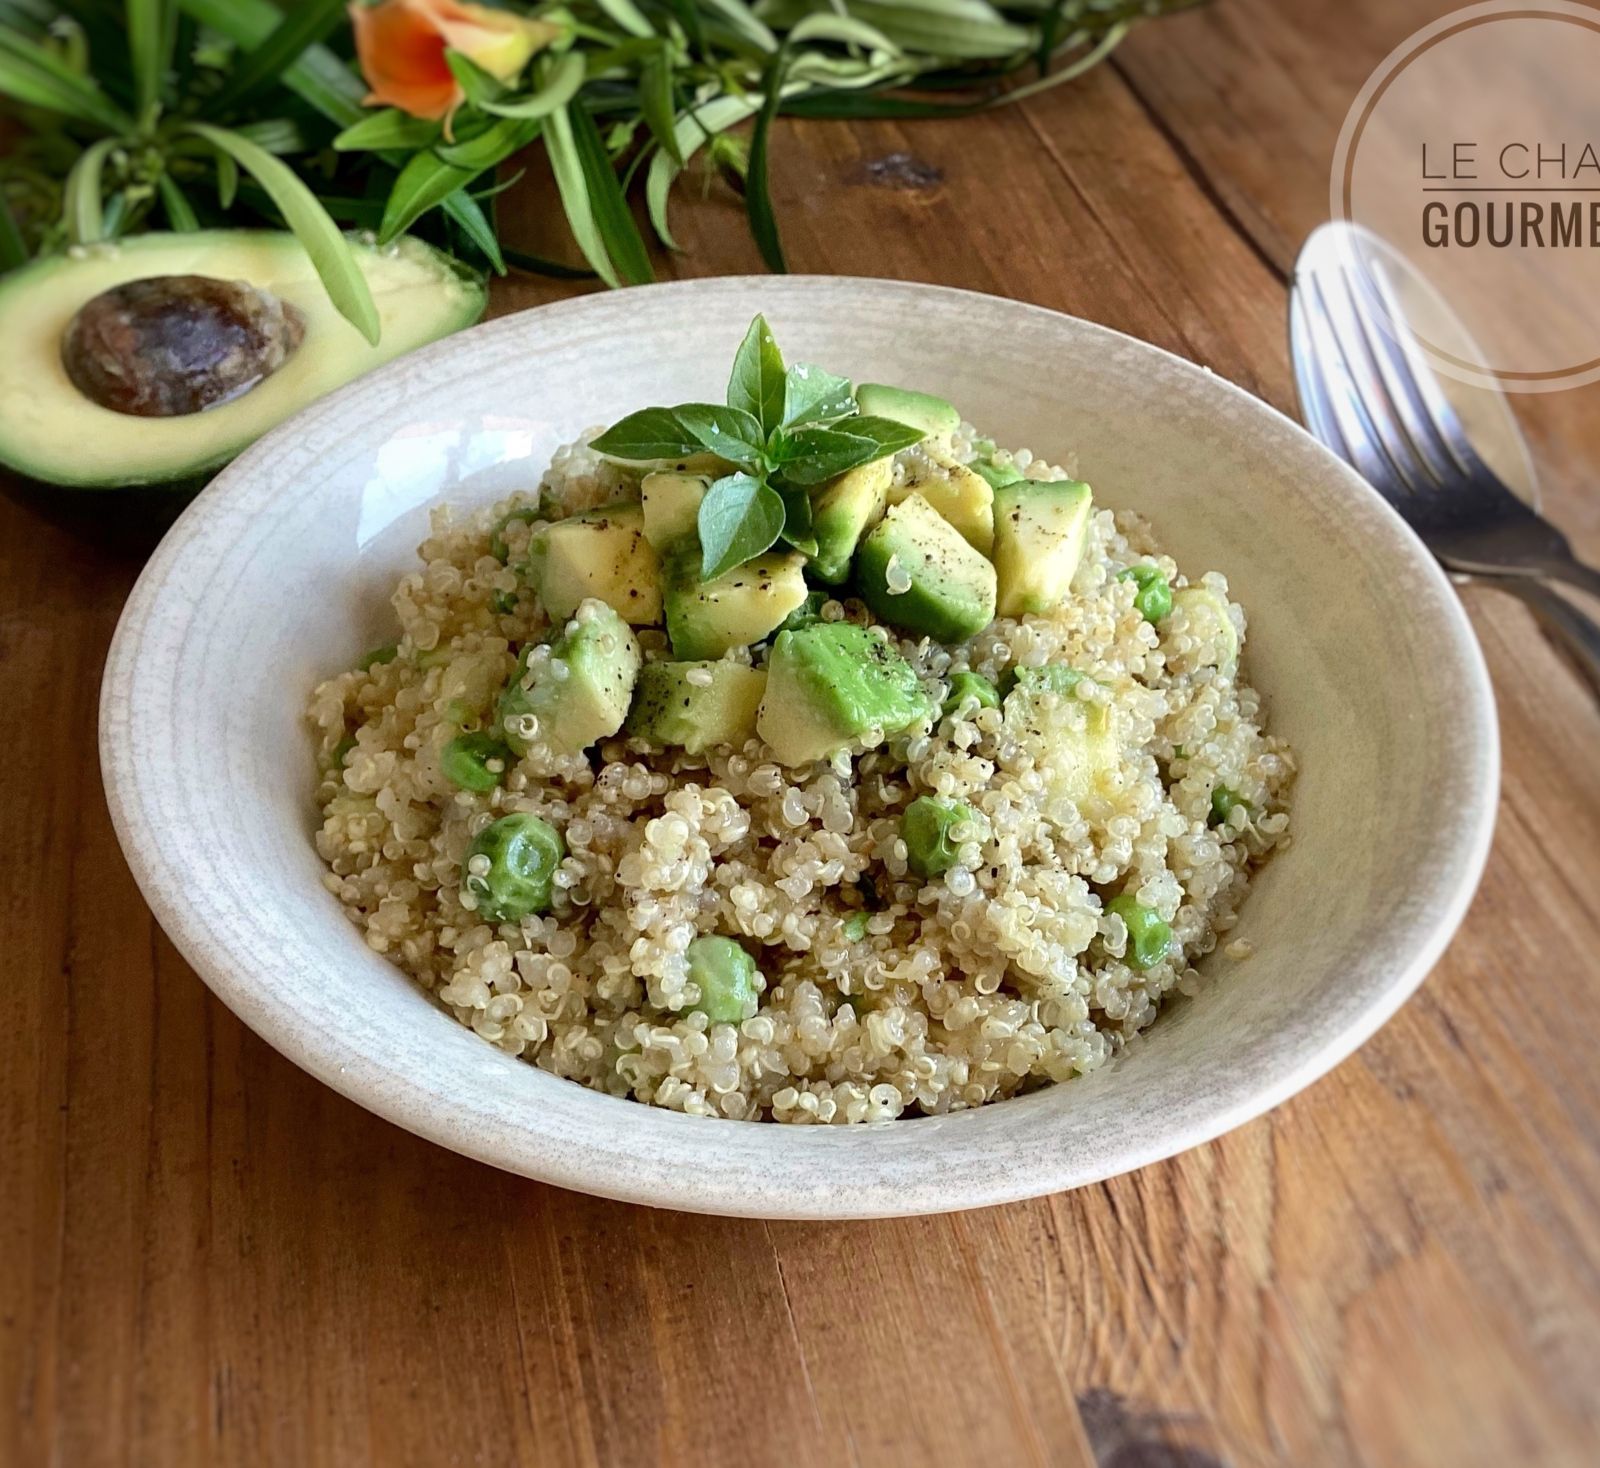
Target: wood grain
<point x="208" y="1258"/>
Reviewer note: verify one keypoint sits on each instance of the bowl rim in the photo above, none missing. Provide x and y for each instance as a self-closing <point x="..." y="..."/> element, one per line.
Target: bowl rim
<point x="401" y="1099"/>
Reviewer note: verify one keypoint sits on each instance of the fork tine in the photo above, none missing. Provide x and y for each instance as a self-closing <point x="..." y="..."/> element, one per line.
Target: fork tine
<point x="1393" y="457"/>
<point x="1335" y="397"/>
<point x="1400" y="357"/>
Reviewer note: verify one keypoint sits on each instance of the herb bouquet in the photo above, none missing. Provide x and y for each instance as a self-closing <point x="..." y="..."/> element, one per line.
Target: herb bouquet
<point x="396" y="116"/>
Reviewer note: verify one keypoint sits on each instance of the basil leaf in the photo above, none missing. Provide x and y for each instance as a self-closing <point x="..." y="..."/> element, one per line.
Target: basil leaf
<point x="739" y="518"/>
<point x="824" y="453"/>
<point x="797" y="527"/>
<point x="811" y="395"/>
<point x="651" y="433"/>
<point x="756" y="385"/>
<point x="729" y="432"/>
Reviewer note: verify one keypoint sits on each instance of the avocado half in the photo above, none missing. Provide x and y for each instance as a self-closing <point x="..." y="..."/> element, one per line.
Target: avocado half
<point x="51" y="432"/>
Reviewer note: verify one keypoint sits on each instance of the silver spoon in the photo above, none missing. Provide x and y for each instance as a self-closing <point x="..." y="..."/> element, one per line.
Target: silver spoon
<point x="1367" y="393"/>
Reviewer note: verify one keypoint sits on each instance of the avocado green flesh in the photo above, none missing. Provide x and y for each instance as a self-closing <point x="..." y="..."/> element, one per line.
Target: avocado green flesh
<point x="602" y="553"/>
<point x="601" y="656"/>
<point x="830" y="683"/>
<point x="742" y="606"/>
<point x="952" y="592"/>
<point x="717" y="706"/>
<point x="934" y="416"/>
<point x="1039" y="534"/>
<point x="841" y="511"/>
<point x="51" y="432"/>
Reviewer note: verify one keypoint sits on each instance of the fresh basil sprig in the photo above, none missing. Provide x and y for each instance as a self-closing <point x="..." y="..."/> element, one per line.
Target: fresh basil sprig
<point x="786" y="429"/>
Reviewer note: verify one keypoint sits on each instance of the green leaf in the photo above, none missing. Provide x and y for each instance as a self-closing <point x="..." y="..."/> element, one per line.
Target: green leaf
<point x="30" y="74"/>
<point x="627" y="15"/>
<point x="390" y="128"/>
<point x="963" y="33"/>
<point x="740" y="517"/>
<point x="738" y="16"/>
<point x="147" y="33"/>
<point x="651" y="433"/>
<point x="730" y="433"/>
<point x="13" y="248"/>
<point x="180" y="213"/>
<point x="538" y="265"/>
<point x="478" y="85"/>
<point x="306" y="23"/>
<point x="81" y="195"/>
<point x="696" y="128"/>
<point x="687" y="14"/>
<point x="493" y="145"/>
<point x="797" y="527"/>
<point x="613" y="218"/>
<point x="330" y="252"/>
<point x="757" y="385"/>
<point x="573" y="187"/>
<point x="757" y="195"/>
<point x="227" y="181"/>
<point x="318" y="76"/>
<point x="468" y="215"/>
<point x="432" y="177"/>
<point x="560" y="86"/>
<point x="811" y="395"/>
<point x="819" y="454"/>
<point x="273" y="134"/>
<point x="657" y="104"/>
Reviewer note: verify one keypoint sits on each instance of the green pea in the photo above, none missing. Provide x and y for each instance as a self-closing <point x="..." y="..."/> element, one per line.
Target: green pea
<point x="855" y="927"/>
<point x="1149" y="938"/>
<point x="1154" y="597"/>
<point x="926" y="828"/>
<point x="967" y="685"/>
<point x="1223" y="804"/>
<point x="726" y="976"/>
<point x="504" y="602"/>
<point x="983" y="448"/>
<point x="522" y="854"/>
<point x="498" y="548"/>
<point x="467" y="759"/>
<point x="385" y="654"/>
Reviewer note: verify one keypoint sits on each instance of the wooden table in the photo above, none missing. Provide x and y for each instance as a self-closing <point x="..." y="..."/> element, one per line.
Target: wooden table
<point x="208" y="1258"/>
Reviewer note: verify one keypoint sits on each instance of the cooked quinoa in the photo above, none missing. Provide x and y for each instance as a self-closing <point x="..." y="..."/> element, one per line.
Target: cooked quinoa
<point x="884" y="995"/>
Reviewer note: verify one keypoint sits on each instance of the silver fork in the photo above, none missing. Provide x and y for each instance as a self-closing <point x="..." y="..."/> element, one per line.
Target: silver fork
<point x="1367" y="393"/>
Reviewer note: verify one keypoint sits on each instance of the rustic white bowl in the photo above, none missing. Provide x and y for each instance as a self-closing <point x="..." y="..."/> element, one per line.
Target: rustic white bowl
<point x="279" y="575"/>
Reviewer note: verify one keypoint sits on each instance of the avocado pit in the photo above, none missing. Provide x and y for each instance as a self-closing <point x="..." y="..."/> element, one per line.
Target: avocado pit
<point x="170" y="345"/>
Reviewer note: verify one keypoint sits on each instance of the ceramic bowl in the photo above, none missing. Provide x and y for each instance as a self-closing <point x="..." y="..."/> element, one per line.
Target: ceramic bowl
<point x="278" y="575"/>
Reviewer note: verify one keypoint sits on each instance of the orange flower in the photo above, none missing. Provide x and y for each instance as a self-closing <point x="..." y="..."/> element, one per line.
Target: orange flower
<point x="401" y="44"/>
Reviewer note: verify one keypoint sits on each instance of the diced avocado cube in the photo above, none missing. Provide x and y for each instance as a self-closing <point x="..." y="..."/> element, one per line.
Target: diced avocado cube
<point x="916" y="572"/>
<point x="1077" y="736"/>
<point x="962" y="497"/>
<point x="696" y="705"/>
<point x="602" y="553"/>
<point x="1207" y="615"/>
<point x="1039" y="532"/>
<point x="842" y="511"/>
<point x="671" y="506"/>
<point x="934" y="416"/>
<point x="577" y="689"/>
<point x="707" y="618"/>
<point x="830" y="683"/>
